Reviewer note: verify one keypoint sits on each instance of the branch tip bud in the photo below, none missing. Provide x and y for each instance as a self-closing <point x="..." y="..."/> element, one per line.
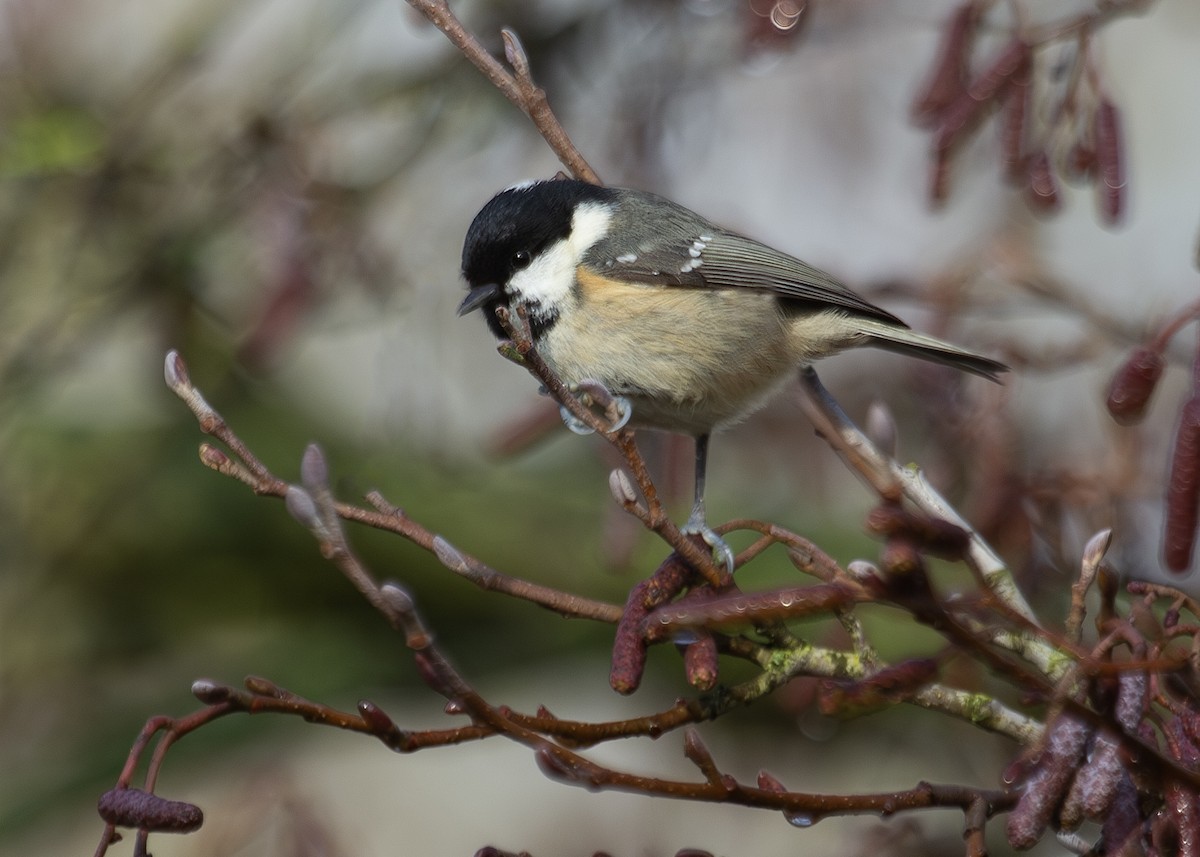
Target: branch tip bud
<point x="621" y="488"/>
<point x="175" y="372"/>
<point x="449" y="556"/>
<point x="397" y="597"/>
<point x="210" y="692"/>
<point x="1097" y="547"/>
<point x="213" y="458"/>
<point x="301" y="506"/>
<point x="314" y="471"/>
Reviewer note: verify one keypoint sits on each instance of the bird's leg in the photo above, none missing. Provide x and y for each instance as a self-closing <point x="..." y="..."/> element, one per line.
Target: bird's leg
<point x="697" y="522"/>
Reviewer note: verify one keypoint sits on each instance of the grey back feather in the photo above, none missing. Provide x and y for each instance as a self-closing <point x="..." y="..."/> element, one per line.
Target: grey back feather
<point x="726" y="260"/>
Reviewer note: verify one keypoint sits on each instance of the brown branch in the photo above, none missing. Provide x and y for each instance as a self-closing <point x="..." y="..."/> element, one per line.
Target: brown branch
<point x="561" y="763"/>
<point x="249" y="470"/>
<point x="518" y="86"/>
<point x="891" y="480"/>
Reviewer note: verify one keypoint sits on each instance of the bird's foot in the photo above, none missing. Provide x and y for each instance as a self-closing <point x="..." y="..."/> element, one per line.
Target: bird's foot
<point x="573" y="422"/>
<point x="617" y="409"/>
<point x="720" y="548"/>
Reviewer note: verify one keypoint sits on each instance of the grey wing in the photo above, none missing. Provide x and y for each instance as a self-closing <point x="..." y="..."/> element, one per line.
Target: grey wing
<point x="717" y="258"/>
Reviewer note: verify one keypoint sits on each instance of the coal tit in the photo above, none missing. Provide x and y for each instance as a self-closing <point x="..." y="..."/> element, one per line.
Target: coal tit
<point x="693" y="325"/>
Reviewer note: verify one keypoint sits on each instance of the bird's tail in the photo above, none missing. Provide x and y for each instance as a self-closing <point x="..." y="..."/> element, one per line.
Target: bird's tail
<point x="914" y="344"/>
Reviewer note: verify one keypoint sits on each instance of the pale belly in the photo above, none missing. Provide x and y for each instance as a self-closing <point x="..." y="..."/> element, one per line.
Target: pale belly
<point x="681" y="362"/>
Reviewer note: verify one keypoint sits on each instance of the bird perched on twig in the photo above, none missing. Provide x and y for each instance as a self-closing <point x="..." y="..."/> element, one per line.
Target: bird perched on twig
<point x="691" y="325"/>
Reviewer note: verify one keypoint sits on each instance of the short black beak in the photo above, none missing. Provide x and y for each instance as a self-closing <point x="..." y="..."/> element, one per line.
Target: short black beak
<point x="477" y="297"/>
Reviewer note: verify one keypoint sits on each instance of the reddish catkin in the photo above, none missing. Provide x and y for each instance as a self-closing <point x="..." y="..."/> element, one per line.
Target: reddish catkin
<point x="1183" y="490"/>
<point x="1012" y="124"/>
<point x="1014" y="57"/>
<point x="1133" y="384"/>
<point x="1065" y="744"/>
<point x="963" y="114"/>
<point x="1080" y="163"/>
<point x="1183" y="814"/>
<point x="700" y="662"/>
<point x="948" y="76"/>
<point x="939" y="177"/>
<point x="1110" y="161"/>
<point x="958" y="121"/>
<point x="629" y="647"/>
<point x="1042" y="188"/>
<point x="1122" y="827"/>
<point x="136" y="808"/>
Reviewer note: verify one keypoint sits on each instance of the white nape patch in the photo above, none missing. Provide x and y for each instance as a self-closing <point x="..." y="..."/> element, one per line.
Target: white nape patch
<point x="522" y="185"/>
<point x="548" y="281"/>
<point x="627" y="258"/>
<point x="589" y="225"/>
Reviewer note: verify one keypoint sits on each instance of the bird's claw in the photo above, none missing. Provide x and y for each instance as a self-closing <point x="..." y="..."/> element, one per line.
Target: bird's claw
<point x="720" y="548"/>
<point x="617" y="409"/>
<point x="622" y="411"/>
<point x="573" y="422"/>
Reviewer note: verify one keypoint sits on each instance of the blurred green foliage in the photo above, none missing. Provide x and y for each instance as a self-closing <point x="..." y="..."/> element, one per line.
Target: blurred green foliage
<point x="54" y="140"/>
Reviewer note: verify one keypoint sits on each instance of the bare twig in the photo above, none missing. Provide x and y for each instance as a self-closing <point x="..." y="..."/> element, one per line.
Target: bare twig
<point x="1093" y="555"/>
<point x="562" y="764"/>
<point x="890" y="479"/>
<point x="1105" y="11"/>
<point x="518" y="86"/>
<point x="249" y="470"/>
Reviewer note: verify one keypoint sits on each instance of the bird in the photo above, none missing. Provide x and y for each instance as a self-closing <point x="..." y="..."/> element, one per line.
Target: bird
<point x="692" y="326"/>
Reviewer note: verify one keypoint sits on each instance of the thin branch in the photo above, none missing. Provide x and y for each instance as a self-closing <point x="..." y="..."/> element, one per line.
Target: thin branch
<point x="890" y="479"/>
<point x="1093" y="555"/>
<point x="563" y="764"/>
<point x="1106" y="10"/>
<point x="250" y="471"/>
<point x="518" y="86"/>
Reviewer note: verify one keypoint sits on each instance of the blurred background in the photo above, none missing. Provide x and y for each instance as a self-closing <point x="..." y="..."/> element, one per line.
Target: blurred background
<point x="279" y="189"/>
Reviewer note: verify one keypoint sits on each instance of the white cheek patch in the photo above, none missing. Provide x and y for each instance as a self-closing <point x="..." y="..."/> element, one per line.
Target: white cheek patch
<point x="548" y="281"/>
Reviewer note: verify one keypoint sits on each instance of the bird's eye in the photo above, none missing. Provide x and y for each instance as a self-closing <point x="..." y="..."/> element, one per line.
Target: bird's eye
<point x="521" y="259"/>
